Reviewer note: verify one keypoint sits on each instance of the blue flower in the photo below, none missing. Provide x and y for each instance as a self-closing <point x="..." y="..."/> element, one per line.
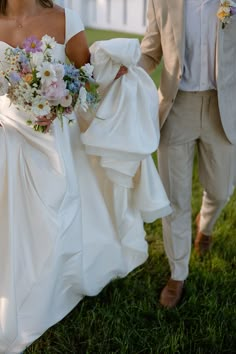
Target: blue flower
<point x="14" y="77"/>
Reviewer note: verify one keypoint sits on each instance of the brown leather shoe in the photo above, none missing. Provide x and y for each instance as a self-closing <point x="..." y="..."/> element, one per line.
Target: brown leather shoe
<point x="172" y="293"/>
<point x="202" y="243"/>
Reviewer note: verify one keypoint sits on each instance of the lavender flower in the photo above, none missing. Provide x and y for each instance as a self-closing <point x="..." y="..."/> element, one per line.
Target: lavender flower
<point x="233" y="11"/>
<point x="32" y="45"/>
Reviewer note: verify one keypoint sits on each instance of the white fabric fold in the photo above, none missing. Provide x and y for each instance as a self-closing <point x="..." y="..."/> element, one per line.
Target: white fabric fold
<point x="125" y="131"/>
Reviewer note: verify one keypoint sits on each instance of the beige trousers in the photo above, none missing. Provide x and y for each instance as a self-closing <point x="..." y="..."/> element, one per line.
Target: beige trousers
<point x="193" y="123"/>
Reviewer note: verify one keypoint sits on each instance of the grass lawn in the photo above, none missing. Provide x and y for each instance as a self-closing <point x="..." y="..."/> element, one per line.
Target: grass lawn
<point x="126" y="317"/>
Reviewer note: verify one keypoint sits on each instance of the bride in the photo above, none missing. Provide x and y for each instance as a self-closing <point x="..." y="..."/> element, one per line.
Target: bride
<point x="66" y="227"/>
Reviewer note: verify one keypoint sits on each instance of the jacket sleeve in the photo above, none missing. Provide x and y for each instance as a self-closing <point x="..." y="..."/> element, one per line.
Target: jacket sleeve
<point x="151" y="44"/>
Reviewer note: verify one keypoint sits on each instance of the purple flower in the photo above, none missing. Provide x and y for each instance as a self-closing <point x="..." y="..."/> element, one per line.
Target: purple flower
<point x="32" y="45"/>
<point x="233" y="10"/>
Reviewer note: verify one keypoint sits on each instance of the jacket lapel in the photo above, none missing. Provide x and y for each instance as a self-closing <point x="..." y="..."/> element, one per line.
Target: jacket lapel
<point x="177" y="10"/>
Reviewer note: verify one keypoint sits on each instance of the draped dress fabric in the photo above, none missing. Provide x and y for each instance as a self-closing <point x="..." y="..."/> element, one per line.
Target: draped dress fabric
<point x="63" y="235"/>
<point x="127" y="117"/>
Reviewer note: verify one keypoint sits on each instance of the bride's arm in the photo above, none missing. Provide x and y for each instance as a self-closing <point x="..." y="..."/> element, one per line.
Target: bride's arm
<point x="77" y="50"/>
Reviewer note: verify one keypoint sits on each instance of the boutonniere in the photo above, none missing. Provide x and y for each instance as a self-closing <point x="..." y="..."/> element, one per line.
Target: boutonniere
<point x="226" y="10"/>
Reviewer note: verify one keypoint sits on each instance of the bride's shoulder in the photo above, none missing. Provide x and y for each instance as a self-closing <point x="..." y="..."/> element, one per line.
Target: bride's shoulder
<point x="54" y="18"/>
<point x="50" y="21"/>
<point x="60" y="14"/>
<point x="56" y="12"/>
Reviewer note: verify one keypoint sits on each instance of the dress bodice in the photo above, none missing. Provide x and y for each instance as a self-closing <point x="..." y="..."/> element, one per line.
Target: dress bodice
<point x="73" y="25"/>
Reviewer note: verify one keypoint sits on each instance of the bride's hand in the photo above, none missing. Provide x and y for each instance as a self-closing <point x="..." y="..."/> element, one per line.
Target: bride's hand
<point x="45" y="123"/>
<point x="122" y="71"/>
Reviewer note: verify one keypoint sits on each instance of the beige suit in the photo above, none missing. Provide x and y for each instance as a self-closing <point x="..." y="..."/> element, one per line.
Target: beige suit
<point x="205" y="121"/>
<point x="165" y="38"/>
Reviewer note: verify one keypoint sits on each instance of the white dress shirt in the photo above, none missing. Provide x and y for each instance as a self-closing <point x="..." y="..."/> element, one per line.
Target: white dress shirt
<point x="200" y="45"/>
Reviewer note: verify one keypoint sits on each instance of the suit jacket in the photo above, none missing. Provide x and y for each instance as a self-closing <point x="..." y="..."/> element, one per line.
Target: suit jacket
<point x="165" y="38"/>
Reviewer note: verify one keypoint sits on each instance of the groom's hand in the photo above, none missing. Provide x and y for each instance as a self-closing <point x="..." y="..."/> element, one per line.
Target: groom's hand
<point x="122" y="71"/>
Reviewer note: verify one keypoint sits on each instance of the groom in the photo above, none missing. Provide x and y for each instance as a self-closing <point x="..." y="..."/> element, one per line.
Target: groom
<point x="197" y="112"/>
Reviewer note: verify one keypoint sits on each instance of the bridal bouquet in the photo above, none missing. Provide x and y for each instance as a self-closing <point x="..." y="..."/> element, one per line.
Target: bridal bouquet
<point x="42" y="86"/>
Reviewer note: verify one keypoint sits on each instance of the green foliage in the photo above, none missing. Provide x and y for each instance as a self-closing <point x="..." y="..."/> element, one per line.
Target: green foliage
<point x="126" y="318"/>
<point x="98" y="35"/>
<point x="95" y="35"/>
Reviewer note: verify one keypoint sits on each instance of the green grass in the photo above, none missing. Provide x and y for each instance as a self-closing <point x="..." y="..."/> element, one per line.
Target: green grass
<point x="126" y="317"/>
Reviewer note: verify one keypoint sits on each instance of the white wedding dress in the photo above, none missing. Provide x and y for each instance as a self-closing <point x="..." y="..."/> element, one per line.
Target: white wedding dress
<point x="66" y="228"/>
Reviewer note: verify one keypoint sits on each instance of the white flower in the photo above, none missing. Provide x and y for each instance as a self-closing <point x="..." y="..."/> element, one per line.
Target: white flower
<point x="83" y="99"/>
<point x="59" y="70"/>
<point x="48" y="42"/>
<point x="37" y="59"/>
<point x="40" y="107"/>
<point x="3" y="86"/>
<point x="226" y="9"/>
<point x="66" y="100"/>
<point x="230" y="2"/>
<point x="227" y="3"/>
<point x="47" y="73"/>
<point x="88" y="68"/>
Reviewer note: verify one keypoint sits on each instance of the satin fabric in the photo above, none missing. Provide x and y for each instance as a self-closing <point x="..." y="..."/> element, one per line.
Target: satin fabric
<point x="128" y="117"/>
<point x="65" y="230"/>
